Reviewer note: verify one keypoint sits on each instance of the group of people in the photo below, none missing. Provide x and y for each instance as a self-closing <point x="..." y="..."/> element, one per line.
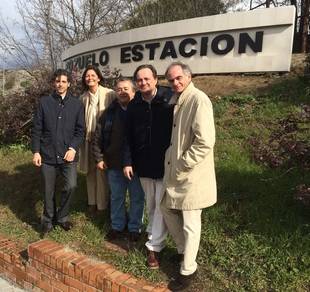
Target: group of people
<point x="154" y="141"/>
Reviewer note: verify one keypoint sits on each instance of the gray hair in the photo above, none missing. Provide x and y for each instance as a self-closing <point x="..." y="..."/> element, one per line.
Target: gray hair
<point x="185" y="68"/>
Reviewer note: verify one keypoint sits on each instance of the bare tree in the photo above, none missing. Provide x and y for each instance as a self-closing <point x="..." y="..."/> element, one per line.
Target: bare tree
<point x="50" y="26"/>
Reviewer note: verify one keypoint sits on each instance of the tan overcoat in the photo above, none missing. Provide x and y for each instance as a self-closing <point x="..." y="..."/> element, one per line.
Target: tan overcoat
<point x="106" y="96"/>
<point x="189" y="179"/>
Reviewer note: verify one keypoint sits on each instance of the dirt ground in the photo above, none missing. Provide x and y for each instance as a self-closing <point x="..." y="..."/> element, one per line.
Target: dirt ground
<point x="221" y="85"/>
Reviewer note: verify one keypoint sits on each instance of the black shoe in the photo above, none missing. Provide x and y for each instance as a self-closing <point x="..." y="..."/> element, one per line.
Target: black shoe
<point x="46" y="228"/>
<point x="114" y="234"/>
<point x="66" y="226"/>
<point x="182" y="282"/>
<point x="134" y="236"/>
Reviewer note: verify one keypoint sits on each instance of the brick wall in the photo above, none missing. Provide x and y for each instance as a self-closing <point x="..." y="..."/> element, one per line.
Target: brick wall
<point x="49" y="266"/>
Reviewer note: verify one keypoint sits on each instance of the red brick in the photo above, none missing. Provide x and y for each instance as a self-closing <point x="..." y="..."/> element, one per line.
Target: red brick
<point x="56" y="290"/>
<point x="73" y="283"/>
<point x="60" y="265"/>
<point x="95" y="273"/>
<point x="87" y="288"/>
<point x="61" y="286"/>
<point x="7" y="257"/>
<point x="37" y="246"/>
<point x="122" y="278"/>
<point x="45" y="278"/>
<point x="87" y="272"/>
<point x="80" y="267"/>
<point x="5" y="242"/>
<point x="67" y="262"/>
<point x="46" y="287"/>
<point x="123" y="288"/>
<point x="160" y="289"/>
<point x="38" y="252"/>
<point x="144" y="285"/>
<point x="20" y="275"/>
<point x="59" y="260"/>
<point x="115" y="287"/>
<point x="131" y="282"/>
<point x="59" y="277"/>
<point x="47" y="253"/>
<point x="107" y="285"/>
<point x="74" y="263"/>
<point x="54" y="256"/>
<point x="71" y="289"/>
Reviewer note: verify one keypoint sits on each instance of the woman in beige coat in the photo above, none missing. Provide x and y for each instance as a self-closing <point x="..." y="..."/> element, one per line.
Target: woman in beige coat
<point x="96" y="99"/>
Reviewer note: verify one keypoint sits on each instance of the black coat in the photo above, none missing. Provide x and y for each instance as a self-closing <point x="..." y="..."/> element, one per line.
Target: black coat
<point x="57" y="125"/>
<point x="148" y="133"/>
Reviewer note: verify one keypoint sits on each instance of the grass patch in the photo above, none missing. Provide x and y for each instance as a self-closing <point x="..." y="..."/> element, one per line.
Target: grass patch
<point x="256" y="238"/>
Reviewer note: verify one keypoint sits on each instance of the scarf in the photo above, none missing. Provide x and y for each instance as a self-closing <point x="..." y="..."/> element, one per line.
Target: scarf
<point x="91" y="114"/>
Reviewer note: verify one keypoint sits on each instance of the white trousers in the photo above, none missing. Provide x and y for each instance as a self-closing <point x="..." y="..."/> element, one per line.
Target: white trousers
<point x="156" y="228"/>
<point x="185" y="228"/>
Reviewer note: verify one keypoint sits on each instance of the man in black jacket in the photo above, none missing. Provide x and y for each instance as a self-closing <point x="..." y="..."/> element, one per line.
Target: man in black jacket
<point x="58" y="130"/>
<point x="148" y="132"/>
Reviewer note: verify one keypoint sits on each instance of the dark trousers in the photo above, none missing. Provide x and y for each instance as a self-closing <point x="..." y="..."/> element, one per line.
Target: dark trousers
<point x="69" y="173"/>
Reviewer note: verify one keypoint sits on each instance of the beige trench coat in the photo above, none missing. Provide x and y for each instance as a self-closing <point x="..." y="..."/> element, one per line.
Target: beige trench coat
<point x="189" y="179"/>
<point x="106" y="96"/>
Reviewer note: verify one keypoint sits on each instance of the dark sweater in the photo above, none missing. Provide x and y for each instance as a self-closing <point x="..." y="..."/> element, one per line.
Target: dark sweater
<point x="148" y="133"/>
<point x="108" y="140"/>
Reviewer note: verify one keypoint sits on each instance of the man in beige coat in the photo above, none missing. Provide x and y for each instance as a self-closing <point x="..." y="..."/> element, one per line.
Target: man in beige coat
<point x="189" y="183"/>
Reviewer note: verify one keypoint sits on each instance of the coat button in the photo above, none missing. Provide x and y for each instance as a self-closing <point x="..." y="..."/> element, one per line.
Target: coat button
<point x="174" y="125"/>
<point x="168" y="162"/>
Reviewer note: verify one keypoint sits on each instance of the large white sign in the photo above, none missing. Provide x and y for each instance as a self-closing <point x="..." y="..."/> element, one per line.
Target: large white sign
<point x="252" y="41"/>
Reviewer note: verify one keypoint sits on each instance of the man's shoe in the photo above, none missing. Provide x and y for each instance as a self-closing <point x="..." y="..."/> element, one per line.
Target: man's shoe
<point x="66" y="226"/>
<point x="152" y="260"/>
<point x="114" y="235"/>
<point x="134" y="236"/>
<point x="182" y="282"/>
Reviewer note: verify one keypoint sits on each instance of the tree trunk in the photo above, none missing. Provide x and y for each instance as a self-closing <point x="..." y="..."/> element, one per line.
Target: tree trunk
<point x="305" y="25"/>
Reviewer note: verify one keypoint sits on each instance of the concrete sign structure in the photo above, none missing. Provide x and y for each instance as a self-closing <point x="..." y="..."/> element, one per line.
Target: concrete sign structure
<point x="252" y="41"/>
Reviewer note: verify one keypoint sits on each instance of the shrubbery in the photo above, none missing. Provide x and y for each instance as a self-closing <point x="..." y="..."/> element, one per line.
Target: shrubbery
<point x="16" y="109"/>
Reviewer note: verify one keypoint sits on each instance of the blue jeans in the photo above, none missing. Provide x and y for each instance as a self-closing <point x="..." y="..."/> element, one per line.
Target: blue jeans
<point x="119" y="185"/>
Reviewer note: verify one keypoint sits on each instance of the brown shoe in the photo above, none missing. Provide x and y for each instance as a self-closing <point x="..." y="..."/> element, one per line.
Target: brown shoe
<point x="152" y="260"/>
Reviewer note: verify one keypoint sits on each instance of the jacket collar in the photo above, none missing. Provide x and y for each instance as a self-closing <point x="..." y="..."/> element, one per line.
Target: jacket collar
<point x="179" y="99"/>
<point x="58" y="97"/>
<point x="156" y="99"/>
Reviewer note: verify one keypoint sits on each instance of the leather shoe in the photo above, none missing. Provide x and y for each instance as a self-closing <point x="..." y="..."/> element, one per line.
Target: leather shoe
<point x="114" y="235"/>
<point x="152" y="260"/>
<point x="182" y="282"/>
<point x="66" y="226"/>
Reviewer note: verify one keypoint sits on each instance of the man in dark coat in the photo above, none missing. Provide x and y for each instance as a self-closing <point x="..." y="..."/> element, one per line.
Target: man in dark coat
<point x="58" y="131"/>
<point x="148" y="131"/>
<point x="107" y="149"/>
